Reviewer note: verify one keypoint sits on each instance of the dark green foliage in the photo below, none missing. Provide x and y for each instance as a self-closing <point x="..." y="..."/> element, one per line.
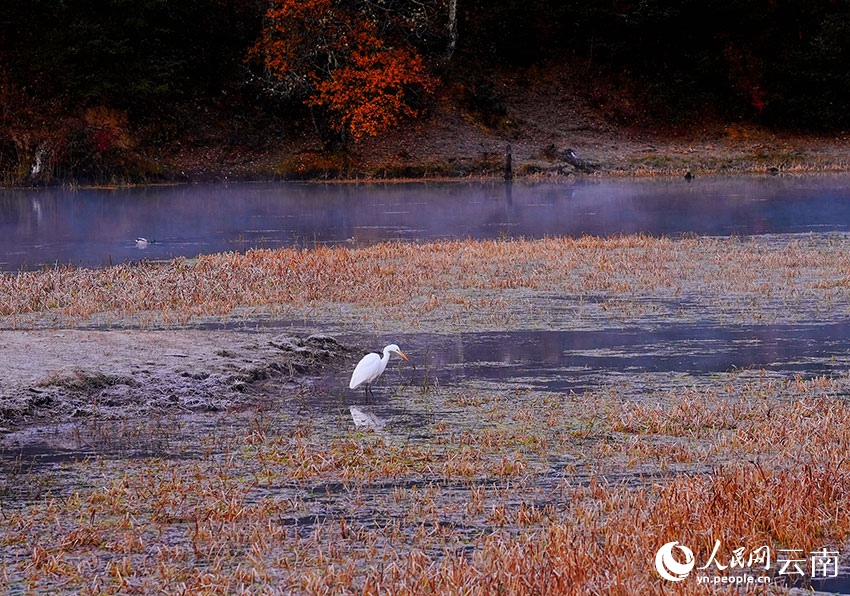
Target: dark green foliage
<point x="66" y="63"/>
<point x="126" y="54"/>
<point x="810" y="89"/>
<point x="785" y="62"/>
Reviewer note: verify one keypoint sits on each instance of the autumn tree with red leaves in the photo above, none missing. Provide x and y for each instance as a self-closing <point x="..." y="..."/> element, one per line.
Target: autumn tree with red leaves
<point x="335" y="55"/>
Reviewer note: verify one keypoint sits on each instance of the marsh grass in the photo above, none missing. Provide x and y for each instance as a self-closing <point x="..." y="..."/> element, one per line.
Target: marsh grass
<point x="456" y="284"/>
<point x="552" y="495"/>
<point x="491" y="490"/>
<point x="81" y="380"/>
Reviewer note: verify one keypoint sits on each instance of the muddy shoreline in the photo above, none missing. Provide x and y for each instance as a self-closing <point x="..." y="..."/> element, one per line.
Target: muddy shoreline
<point x="61" y="375"/>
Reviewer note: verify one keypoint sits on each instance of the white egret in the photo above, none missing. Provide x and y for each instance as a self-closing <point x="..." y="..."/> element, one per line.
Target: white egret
<point x="372" y="366"/>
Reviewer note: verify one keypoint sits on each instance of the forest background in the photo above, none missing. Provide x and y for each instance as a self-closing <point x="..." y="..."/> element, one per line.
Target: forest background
<point x="137" y="91"/>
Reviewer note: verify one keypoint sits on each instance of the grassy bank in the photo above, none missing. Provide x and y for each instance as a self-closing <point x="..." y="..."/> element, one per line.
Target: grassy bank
<point x="452" y="284"/>
<point x="475" y="488"/>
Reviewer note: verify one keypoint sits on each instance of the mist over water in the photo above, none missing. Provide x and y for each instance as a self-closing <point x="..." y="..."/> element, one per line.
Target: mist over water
<point x="94" y="228"/>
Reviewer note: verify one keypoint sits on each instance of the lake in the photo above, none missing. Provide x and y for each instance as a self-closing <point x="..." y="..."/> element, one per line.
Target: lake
<point x="96" y="227"/>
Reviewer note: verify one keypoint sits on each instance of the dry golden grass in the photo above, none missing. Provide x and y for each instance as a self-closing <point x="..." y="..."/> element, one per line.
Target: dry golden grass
<point x="497" y="492"/>
<point x="283" y="507"/>
<point x="458" y="282"/>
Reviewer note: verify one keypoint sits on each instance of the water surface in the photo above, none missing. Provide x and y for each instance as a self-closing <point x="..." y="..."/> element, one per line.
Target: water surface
<point x="98" y="227"/>
<point x="564" y="361"/>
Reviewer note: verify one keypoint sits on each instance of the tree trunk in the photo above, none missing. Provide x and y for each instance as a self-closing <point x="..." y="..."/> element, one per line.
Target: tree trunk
<point x="450" y="48"/>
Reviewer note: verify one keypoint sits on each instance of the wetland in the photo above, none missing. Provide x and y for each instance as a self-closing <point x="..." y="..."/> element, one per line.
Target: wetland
<point x="572" y="403"/>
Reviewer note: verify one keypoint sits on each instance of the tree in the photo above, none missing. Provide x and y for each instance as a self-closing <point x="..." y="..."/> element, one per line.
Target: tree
<point x="335" y="55"/>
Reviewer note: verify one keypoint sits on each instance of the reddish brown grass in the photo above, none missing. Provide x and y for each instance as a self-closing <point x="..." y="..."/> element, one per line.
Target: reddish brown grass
<point x="450" y="282"/>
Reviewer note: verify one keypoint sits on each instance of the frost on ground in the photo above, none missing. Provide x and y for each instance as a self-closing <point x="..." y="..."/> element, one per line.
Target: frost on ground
<point x="65" y="374"/>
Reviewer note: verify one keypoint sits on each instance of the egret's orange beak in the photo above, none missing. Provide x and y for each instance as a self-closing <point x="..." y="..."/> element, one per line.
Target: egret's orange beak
<point x="400" y="353"/>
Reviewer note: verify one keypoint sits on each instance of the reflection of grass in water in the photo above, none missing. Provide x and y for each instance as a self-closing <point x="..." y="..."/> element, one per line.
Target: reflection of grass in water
<point x="519" y="492"/>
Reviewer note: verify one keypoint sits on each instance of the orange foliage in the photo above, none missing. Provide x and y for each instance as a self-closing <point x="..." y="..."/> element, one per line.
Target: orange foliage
<point x="296" y="31"/>
<point x="339" y="59"/>
<point x="369" y="94"/>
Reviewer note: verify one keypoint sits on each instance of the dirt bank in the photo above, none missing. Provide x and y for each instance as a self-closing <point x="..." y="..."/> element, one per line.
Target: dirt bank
<point x="543" y="117"/>
<point x="67" y="374"/>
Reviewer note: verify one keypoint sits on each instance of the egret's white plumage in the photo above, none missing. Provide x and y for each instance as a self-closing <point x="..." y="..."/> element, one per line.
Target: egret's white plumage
<point x="372" y="366"/>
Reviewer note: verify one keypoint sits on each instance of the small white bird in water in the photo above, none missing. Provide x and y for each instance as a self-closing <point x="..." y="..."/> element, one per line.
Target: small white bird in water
<point x="372" y="366"/>
<point x="142" y="242"/>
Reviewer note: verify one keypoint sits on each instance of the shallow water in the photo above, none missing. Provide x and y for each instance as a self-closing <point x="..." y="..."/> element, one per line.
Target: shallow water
<point x="564" y="361"/>
<point x="576" y="361"/>
<point x="98" y="227"/>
